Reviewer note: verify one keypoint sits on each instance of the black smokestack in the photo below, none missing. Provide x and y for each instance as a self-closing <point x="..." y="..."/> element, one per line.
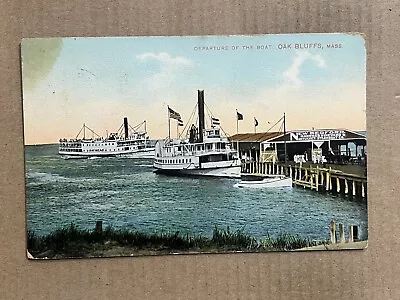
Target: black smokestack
<point x="126" y="127"/>
<point x="200" y="104"/>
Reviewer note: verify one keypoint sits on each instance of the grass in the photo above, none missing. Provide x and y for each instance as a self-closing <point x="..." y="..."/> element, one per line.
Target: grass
<point x="70" y="241"/>
<point x="285" y="242"/>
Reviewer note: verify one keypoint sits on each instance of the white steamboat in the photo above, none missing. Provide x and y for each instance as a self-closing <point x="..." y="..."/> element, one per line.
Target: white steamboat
<point x="204" y="153"/>
<point x="127" y="141"/>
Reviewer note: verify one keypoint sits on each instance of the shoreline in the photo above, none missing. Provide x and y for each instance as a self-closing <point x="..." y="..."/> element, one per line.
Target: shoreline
<point x="72" y="242"/>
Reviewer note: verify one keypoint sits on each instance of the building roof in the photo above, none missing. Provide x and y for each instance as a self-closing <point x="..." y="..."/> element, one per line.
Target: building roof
<point x="253" y="137"/>
<point x="362" y="132"/>
<point x="318" y="135"/>
<point x="298" y="135"/>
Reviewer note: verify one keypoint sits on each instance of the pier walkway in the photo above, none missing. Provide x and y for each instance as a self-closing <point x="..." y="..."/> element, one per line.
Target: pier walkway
<point x="349" y="181"/>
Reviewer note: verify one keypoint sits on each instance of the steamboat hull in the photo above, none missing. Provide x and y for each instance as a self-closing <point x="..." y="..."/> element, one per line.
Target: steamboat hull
<point x="140" y="154"/>
<point x="129" y="154"/>
<point x="226" y="172"/>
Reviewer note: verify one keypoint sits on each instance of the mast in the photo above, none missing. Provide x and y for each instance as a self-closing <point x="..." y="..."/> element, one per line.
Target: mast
<point x="84" y="131"/>
<point x="200" y="102"/>
<point x="145" y="135"/>
<point x="169" y="125"/>
<point x="284" y="134"/>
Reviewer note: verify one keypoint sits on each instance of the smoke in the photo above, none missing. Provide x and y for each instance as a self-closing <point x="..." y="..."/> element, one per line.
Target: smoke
<point x="38" y="57"/>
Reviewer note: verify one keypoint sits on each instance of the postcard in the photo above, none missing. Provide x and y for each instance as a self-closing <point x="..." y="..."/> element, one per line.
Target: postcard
<point x="194" y="144"/>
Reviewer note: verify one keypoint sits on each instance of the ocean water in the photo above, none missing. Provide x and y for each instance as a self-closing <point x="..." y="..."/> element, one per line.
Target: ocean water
<point x="125" y="193"/>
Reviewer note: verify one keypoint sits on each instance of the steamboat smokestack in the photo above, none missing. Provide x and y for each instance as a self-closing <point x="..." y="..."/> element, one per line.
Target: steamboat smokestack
<point x="200" y="104"/>
<point x="126" y="127"/>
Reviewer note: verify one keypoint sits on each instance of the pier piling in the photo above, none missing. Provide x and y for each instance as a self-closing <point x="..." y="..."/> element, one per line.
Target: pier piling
<point x="350" y="189"/>
<point x="342" y="187"/>
<point x="342" y="238"/>
<point x="328" y="181"/>
<point x="99" y="227"/>
<point x="333" y="232"/>
<point x="353" y="233"/>
<point x="335" y="186"/>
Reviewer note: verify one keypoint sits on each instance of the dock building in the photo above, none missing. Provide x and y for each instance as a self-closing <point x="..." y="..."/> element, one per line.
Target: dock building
<point x="317" y="145"/>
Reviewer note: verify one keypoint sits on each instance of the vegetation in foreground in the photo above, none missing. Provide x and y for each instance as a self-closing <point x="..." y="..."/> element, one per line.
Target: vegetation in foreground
<point x="70" y="241"/>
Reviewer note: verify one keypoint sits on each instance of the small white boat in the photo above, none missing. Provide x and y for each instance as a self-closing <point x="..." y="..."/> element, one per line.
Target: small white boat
<point x="264" y="181"/>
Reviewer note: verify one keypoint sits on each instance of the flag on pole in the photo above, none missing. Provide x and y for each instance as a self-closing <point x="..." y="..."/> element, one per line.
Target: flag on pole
<point x="239" y="116"/>
<point x="215" y="122"/>
<point x="255" y="122"/>
<point x="173" y="114"/>
<point x="180" y="122"/>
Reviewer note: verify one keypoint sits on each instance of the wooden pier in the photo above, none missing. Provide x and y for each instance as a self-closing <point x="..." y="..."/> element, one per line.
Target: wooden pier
<point x="320" y="179"/>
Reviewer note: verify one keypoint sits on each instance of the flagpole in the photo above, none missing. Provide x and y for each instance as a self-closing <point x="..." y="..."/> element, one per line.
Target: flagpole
<point x="169" y="125"/>
<point x="145" y="135"/>
<point x="284" y="134"/>
<point x="237" y="132"/>
<point x="255" y="127"/>
<point x="237" y="123"/>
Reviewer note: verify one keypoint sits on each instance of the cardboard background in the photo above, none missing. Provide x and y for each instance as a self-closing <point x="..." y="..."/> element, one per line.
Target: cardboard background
<point x="368" y="274"/>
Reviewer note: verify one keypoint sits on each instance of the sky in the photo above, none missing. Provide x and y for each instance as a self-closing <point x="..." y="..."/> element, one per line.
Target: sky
<point x="99" y="81"/>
